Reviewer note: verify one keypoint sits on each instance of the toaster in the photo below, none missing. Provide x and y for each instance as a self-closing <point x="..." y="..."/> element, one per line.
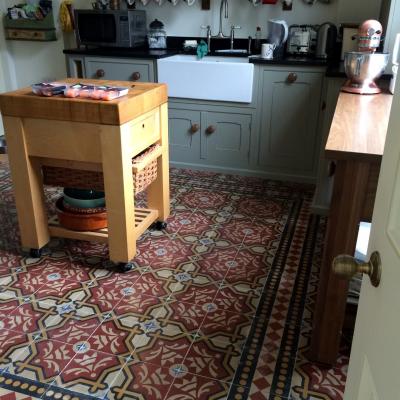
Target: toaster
<point x="302" y="40"/>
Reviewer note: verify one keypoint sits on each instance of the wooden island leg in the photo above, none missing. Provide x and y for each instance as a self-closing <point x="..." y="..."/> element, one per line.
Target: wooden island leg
<point x="118" y="185"/>
<point x="350" y="188"/>
<point x="28" y="186"/>
<point x="158" y="191"/>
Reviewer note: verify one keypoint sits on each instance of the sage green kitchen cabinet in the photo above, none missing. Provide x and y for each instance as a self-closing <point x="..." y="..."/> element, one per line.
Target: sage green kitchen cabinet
<point x="184" y="135"/>
<point x="225" y="138"/>
<point x="209" y="138"/>
<point x="289" y="102"/>
<point x="119" y="69"/>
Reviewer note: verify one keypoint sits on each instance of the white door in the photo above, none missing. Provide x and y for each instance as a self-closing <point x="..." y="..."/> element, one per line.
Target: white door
<point x="374" y="371"/>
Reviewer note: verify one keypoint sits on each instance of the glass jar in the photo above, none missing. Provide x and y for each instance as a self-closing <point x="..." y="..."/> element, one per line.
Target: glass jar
<point x="157" y="37"/>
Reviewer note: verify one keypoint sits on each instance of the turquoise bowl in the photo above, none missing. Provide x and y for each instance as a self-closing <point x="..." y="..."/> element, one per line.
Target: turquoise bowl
<point x="83" y="198"/>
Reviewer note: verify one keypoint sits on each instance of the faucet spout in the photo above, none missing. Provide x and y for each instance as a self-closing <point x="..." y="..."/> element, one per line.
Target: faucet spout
<point x="224" y="3"/>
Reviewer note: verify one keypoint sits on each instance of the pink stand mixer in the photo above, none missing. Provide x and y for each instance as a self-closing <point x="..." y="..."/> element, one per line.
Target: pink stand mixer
<point x="363" y="67"/>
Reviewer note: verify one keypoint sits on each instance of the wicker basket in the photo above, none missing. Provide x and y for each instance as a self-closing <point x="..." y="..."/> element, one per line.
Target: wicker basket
<point x="80" y="179"/>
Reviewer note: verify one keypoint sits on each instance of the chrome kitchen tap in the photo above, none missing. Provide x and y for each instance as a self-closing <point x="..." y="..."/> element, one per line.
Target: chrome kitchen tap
<point x="220" y="34"/>
<point x="233" y="27"/>
<point x="208" y="27"/>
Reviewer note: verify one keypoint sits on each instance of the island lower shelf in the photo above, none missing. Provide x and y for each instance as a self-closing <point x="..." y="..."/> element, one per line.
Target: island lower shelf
<point x="144" y="217"/>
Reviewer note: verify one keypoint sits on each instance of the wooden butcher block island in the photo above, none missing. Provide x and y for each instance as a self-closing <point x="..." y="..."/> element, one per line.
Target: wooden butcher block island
<point x="88" y="135"/>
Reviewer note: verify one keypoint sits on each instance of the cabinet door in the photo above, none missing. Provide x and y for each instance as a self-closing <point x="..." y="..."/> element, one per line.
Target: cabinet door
<point x="184" y="135"/>
<point x="225" y="138"/>
<point x="119" y="69"/>
<point x="289" y="119"/>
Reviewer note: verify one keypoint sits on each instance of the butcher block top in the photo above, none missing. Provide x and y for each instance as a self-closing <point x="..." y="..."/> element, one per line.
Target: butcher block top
<point x="142" y="97"/>
<point x="359" y="126"/>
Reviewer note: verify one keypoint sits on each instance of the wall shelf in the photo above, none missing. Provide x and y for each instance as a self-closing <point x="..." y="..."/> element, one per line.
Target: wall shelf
<point x="28" y="29"/>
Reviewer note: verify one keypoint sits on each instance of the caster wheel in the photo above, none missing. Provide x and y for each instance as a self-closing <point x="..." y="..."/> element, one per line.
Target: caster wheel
<point x="125" y="267"/>
<point x="35" y="253"/>
<point x="160" y="225"/>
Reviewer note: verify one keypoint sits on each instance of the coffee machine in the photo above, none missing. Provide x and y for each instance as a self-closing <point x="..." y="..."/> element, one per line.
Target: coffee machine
<point x="362" y="67"/>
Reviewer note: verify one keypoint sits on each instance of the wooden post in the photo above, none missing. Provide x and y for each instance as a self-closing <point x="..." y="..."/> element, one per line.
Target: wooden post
<point x="118" y="185"/>
<point x="28" y="186"/>
<point x="158" y="191"/>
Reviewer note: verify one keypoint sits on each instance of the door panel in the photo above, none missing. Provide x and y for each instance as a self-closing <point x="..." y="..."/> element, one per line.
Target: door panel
<point x="375" y="355"/>
<point x="289" y="120"/>
<point x="184" y="145"/>
<point x="229" y="144"/>
<point x="117" y="69"/>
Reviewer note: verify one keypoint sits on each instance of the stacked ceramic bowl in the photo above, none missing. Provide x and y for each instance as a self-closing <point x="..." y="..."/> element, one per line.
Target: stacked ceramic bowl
<point x="82" y="210"/>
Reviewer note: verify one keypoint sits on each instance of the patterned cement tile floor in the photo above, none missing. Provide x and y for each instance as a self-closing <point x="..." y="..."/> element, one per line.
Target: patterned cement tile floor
<point x="218" y="306"/>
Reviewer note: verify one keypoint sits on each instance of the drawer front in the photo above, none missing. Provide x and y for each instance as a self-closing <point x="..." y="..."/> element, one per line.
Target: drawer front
<point x="138" y="71"/>
<point x="145" y="131"/>
<point x="21" y="34"/>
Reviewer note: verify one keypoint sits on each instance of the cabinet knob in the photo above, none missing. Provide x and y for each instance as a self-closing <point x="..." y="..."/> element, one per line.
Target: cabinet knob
<point x="292" y="77"/>
<point x="100" y="73"/>
<point x="194" y="128"/>
<point x="136" y="76"/>
<point x="210" y="129"/>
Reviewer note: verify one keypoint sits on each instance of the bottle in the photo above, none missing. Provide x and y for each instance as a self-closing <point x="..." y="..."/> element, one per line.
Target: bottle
<point x="257" y="41"/>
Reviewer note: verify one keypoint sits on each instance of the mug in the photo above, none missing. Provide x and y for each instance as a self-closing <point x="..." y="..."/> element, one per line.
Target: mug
<point x="267" y="50"/>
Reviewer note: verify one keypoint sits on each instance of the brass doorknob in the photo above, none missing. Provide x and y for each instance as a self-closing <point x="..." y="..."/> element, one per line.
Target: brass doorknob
<point x="136" y="76"/>
<point x="194" y="128"/>
<point x="346" y="267"/>
<point x="292" y="77"/>
<point x="211" y="129"/>
<point x="100" y="73"/>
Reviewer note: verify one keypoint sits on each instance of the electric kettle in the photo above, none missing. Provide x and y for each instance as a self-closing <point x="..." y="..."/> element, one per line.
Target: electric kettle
<point x="278" y="32"/>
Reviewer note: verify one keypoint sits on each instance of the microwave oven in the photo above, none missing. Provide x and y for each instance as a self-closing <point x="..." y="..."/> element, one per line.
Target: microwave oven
<point x="114" y="28"/>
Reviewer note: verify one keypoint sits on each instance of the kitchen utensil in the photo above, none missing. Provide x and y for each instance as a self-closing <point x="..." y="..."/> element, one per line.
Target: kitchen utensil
<point x="156" y="36"/>
<point x="255" y="2"/>
<point x="84" y="198"/>
<point x="267" y="51"/>
<point x="363" y="69"/>
<point x="395" y="61"/>
<point x="326" y="40"/>
<point x="302" y="40"/>
<point x="278" y="32"/>
<point x="80" y="222"/>
<point x="80" y="210"/>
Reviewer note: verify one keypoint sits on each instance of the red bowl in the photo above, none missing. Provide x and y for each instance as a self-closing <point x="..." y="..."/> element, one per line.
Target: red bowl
<point x="80" y="222"/>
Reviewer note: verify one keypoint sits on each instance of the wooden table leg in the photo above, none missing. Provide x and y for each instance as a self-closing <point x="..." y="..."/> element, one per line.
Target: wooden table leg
<point x="158" y="191"/>
<point x="350" y="187"/>
<point x="118" y="185"/>
<point x="28" y="186"/>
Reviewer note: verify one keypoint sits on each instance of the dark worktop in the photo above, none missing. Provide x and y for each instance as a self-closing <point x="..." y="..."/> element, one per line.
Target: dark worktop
<point x="123" y="52"/>
<point x="305" y="61"/>
<point x="145" y="53"/>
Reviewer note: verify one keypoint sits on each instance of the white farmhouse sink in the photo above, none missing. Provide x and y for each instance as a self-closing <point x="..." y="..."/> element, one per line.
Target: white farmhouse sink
<point x="211" y="78"/>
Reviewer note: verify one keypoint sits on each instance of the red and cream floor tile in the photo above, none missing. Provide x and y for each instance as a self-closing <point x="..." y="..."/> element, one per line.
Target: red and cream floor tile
<point x="210" y="309"/>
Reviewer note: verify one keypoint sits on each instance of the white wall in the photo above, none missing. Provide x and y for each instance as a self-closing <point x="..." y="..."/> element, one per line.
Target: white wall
<point x="35" y="61"/>
<point x="182" y="20"/>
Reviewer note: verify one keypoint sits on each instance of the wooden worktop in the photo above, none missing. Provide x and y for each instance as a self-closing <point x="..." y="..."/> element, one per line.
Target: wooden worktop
<point x="359" y="126"/>
<point x="142" y="97"/>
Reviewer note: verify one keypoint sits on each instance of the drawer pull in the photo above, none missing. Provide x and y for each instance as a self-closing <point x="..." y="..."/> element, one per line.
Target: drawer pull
<point x="211" y="129"/>
<point x="100" y="73"/>
<point x="292" y="77"/>
<point x="136" y="76"/>
<point x="194" y="128"/>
